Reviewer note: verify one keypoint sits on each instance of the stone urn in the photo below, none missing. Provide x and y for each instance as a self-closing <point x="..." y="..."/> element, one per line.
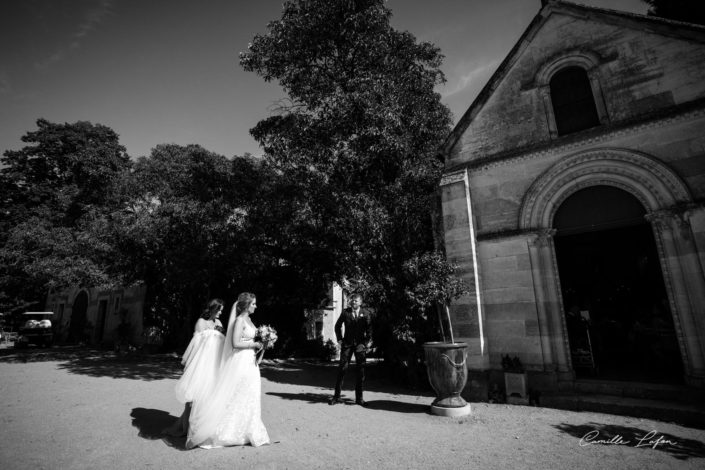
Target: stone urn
<point x="446" y="365"/>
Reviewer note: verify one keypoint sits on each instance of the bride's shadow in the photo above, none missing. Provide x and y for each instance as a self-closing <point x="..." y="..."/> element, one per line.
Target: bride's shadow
<point x="150" y="423"/>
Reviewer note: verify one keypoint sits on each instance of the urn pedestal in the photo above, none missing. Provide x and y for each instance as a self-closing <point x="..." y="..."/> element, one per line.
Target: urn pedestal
<point x="446" y="366"/>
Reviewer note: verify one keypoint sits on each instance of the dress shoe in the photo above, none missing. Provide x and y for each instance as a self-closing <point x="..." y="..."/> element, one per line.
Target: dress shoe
<point x="335" y="400"/>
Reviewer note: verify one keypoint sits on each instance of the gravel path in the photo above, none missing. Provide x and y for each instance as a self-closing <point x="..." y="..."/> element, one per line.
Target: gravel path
<point x="85" y="410"/>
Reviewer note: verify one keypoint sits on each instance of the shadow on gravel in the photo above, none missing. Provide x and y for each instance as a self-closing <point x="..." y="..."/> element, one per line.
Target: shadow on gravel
<point x="100" y="363"/>
<point x="65" y="353"/>
<point x="150" y="424"/>
<point x="399" y="406"/>
<point x="307" y="397"/>
<point x="651" y="439"/>
<point x="323" y="375"/>
<point x="384" y="405"/>
<point x="135" y="368"/>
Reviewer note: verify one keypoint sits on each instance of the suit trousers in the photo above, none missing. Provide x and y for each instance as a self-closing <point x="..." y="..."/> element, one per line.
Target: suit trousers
<point x="360" y="358"/>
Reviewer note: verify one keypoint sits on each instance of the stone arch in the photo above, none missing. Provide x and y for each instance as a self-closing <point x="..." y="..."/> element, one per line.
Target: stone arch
<point x="665" y="197"/>
<point x="587" y="60"/>
<point x="655" y="185"/>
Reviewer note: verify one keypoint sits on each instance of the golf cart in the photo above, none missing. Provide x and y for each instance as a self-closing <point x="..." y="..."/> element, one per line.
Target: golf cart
<point x="35" y="330"/>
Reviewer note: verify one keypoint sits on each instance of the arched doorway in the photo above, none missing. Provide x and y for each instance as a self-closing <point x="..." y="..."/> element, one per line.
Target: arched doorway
<point x="78" y="317"/>
<point x="614" y="296"/>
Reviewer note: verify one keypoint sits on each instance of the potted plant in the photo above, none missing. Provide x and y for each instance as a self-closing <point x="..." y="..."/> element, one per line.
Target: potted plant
<point x="153" y="338"/>
<point x="434" y="286"/>
<point x="515" y="381"/>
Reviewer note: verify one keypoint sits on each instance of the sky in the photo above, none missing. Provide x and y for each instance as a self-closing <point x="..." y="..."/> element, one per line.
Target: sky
<point x="167" y="71"/>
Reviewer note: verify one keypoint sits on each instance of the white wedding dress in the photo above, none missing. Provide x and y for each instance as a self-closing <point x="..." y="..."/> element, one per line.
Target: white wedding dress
<point x="201" y="363"/>
<point x="231" y="414"/>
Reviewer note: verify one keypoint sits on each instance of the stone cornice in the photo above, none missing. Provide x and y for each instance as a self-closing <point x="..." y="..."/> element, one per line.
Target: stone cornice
<point x="455" y="177"/>
<point x="515" y="233"/>
<point x="676" y="212"/>
<point x="587" y="138"/>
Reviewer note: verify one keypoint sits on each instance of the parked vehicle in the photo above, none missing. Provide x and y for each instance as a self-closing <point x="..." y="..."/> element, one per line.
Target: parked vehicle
<point x="36" y="330"/>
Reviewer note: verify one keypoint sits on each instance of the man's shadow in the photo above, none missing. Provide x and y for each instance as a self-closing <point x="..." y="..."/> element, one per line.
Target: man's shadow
<point x="150" y="424"/>
<point x="398" y="406"/>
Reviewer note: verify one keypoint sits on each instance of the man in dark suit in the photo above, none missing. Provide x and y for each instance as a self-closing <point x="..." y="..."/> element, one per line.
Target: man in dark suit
<point x="355" y="341"/>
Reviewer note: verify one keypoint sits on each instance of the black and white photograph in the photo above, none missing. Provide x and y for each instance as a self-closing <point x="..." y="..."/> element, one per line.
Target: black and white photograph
<point x="352" y="234"/>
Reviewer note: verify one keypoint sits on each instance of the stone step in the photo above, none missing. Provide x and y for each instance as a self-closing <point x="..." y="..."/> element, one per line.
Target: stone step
<point x="687" y="414"/>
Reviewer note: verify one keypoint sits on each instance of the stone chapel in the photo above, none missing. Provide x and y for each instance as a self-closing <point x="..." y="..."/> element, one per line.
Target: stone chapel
<point x="573" y="201"/>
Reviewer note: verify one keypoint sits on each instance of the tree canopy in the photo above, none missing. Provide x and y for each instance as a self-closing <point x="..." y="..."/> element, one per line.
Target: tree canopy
<point x="691" y="11"/>
<point x="64" y="173"/>
<point x="79" y="213"/>
<point x="345" y="190"/>
<point x="354" y="144"/>
<point x="54" y="191"/>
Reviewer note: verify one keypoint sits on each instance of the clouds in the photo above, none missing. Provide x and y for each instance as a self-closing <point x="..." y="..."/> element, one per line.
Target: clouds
<point x="90" y="14"/>
<point x="469" y="75"/>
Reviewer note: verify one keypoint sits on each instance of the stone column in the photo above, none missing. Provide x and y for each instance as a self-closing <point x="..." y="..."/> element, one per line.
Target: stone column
<point x="594" y="77"/>
<point x="467" y="313"/>
<point x="553" y="334"/>
<point x="545" y="94"/>
<point x="685" y="284"/>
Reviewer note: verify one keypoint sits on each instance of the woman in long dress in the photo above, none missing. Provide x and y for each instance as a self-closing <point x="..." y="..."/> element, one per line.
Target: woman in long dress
<point x="201" y="362"/>
<point x="231" y="415"/>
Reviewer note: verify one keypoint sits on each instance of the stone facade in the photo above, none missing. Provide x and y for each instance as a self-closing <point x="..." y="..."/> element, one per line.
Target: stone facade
<point x="320" y="323"/>
<point x="508" y="170"/>
<point x="100" y="312"/>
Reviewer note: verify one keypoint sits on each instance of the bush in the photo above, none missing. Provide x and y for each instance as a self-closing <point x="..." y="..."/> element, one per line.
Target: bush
<point x="318" y="349"/>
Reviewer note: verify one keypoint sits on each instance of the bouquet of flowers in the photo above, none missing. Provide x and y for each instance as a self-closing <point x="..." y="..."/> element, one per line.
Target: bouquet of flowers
<point x="267" y="336"/>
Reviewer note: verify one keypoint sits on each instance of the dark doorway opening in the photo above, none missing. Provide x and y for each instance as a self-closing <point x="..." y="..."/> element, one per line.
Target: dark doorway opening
<point x="100" y="324"/>
<point x="79" y="318"/>
<point x="619" y="321"/>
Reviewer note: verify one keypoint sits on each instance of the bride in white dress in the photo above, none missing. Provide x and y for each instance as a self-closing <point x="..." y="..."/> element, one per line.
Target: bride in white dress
<point x="231" y="414"/>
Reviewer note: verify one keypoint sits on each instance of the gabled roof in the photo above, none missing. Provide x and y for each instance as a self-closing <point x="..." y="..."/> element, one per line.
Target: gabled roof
<point x="550" y="7"/>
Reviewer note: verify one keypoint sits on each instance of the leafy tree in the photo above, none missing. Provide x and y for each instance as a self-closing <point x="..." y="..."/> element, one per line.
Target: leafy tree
<point x="66" y="172"/>
<point x="178" y="232"/>
<point x="354" y="146"/>
<point x="691" y="11"/>
<point x="55" y="190"/>
<point x="189" y="232"/>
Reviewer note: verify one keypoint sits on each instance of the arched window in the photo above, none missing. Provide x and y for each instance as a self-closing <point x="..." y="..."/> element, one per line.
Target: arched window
<point x="573" y="103"/>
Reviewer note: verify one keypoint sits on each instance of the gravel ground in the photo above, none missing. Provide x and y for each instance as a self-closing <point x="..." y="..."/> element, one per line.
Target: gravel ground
<point x="77" y="409"/>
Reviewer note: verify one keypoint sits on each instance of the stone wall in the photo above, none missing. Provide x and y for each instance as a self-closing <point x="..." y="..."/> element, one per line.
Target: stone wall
<point x="638" y="73"/>
<point x="509" y="301"/>
<point x="497" y="189"/>
<point x="649" y="80"/>
<point x="130" y="300"/>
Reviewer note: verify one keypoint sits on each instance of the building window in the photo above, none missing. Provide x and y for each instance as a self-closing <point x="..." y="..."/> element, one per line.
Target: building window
<point x="116" y="306"/>
<point x="319" y="329"/>
<point x="573" y="102"/>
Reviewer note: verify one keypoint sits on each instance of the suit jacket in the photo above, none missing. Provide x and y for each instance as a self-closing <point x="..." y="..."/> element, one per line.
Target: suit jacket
<point x="357" y="330"/>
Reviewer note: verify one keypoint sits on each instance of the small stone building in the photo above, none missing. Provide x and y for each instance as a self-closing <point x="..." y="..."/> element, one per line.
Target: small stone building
<point x="93" y="315"/>
<point x="320" y="322"/>
<point x="573" y="200"/>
